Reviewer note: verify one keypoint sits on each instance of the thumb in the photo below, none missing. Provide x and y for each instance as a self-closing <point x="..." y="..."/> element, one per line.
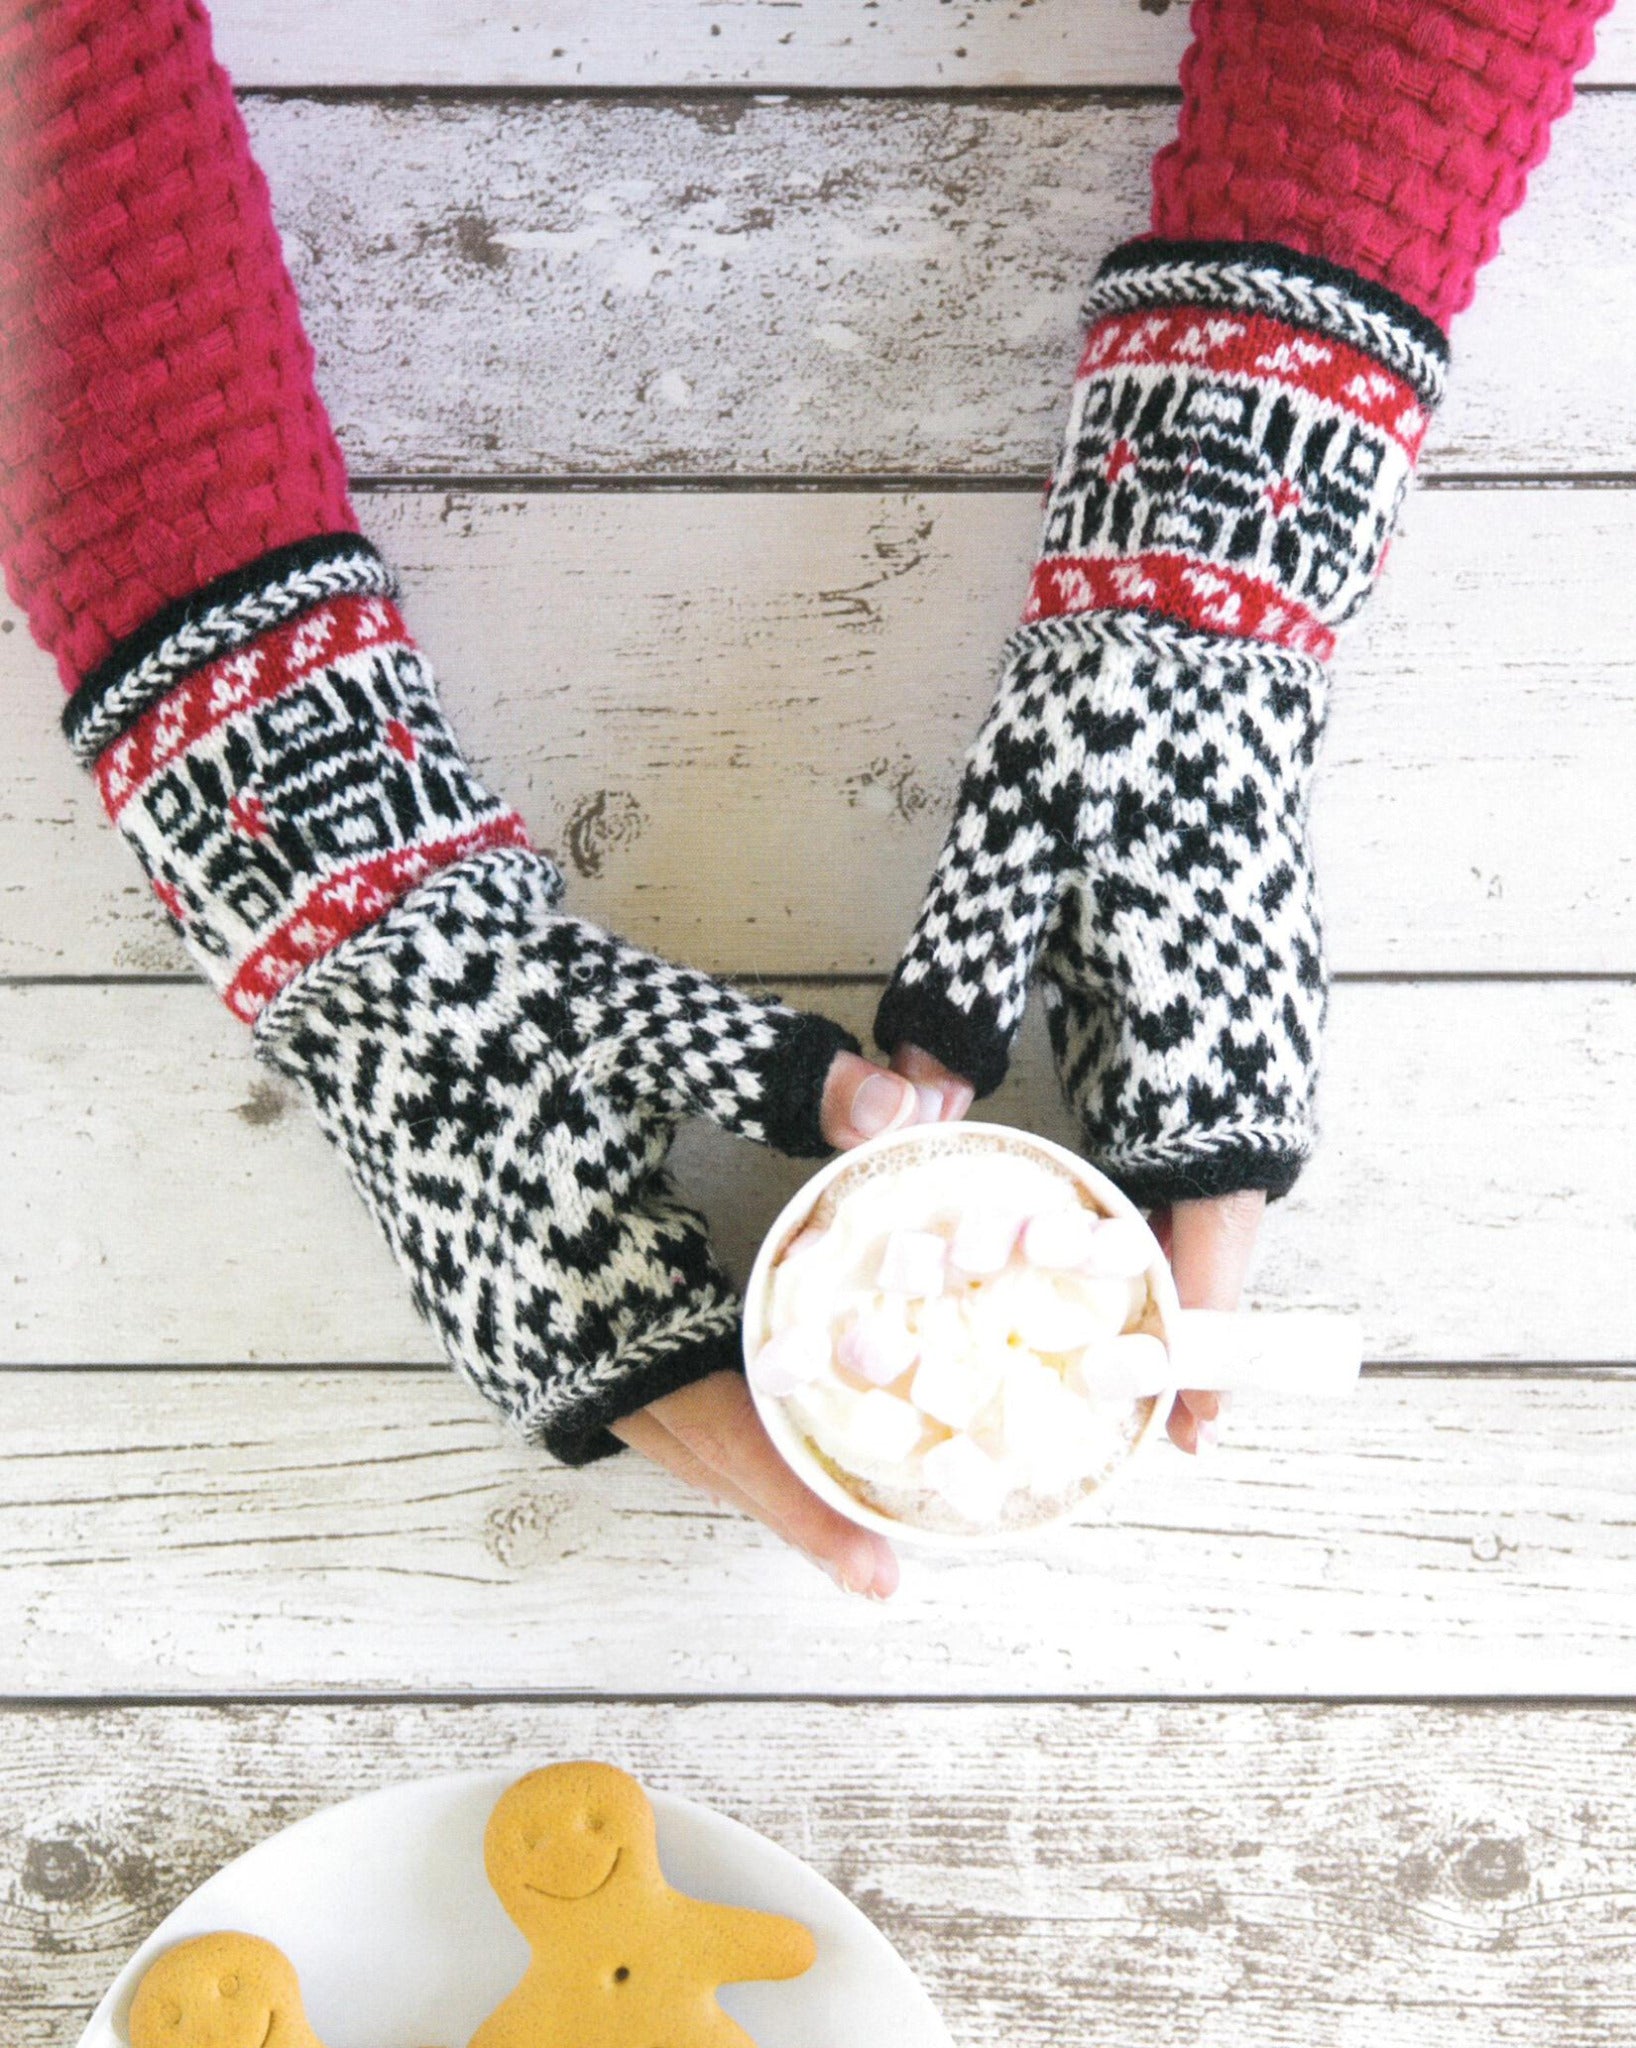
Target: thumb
<point x="862" y="1100"/>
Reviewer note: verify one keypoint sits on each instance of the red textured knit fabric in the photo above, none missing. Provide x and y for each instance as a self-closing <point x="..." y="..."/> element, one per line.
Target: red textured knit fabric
<point x="159" y="425"/>
<point x="1391" y="136"/>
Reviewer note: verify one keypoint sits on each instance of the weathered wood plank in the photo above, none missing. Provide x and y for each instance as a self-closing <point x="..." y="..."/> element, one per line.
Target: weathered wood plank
<point x="242" y="1532"/>
<point x="1203" y="1877"/>
<point x="164" y="1199"/>
<point x="736" y="720"/>
<point x="835" y="286"/>
<point x="835" y="43"/>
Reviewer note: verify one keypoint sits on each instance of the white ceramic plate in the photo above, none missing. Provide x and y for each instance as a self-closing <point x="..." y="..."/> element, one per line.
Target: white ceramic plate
<point x="384" y="1909"/>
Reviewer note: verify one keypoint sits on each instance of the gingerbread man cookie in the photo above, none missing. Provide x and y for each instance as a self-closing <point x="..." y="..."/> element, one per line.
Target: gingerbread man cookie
<point x="620" y="1959"/>
<point x="221" y="1991"/>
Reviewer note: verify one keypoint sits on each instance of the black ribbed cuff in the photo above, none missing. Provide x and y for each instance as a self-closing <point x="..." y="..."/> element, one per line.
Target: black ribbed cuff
<point x="797" y="1068"/>
<point x="584" y="1436"/>
<point x="1204" y="1175"/>
<point x="968" y="1042"/>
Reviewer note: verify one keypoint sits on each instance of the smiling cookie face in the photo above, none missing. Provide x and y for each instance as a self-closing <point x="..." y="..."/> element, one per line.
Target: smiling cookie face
<point x="219" y="1991"/>
<point x="562" y="1835"/>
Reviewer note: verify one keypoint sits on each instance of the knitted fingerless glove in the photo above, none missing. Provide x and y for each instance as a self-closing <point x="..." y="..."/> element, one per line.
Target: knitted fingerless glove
<point x="1132" y="819"/>
<point x="502" y="1080"/>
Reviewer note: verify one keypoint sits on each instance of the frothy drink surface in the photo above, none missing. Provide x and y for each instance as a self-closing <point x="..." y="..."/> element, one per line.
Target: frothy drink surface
<point x="962" y="1337"/>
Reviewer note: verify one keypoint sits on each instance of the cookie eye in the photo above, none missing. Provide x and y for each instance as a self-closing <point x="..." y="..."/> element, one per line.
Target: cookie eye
<point x="228" y="1987"/>
<point x="621" y="1974"/>
<point x="595" y="1823"/>
<point x="173" y="2013"/>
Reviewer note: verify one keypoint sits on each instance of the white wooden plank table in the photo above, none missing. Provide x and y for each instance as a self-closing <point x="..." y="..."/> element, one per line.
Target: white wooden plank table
<point x="698" y="361"/>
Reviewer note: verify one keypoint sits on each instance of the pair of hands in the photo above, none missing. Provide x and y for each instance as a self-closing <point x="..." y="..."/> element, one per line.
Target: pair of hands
<point x="709" y="1434"/>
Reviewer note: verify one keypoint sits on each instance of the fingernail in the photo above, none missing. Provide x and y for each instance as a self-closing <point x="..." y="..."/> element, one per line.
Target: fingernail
<point x="1206" y="1438"/>
<point x="929" y="1105"/>
<point x="881" y="1104"/>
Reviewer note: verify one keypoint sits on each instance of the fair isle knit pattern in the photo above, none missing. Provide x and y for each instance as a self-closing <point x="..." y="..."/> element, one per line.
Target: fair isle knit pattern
<point x="1133" y="818"/>
<point x="503" y="1083"/>
<point x="281" y="765"/>
<point x="1131" y="822"/>
<point x="1298" y="291"/>
<point x="1236" y="455"/>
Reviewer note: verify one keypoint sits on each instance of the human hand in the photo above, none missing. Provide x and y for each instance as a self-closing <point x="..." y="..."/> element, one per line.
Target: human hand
<point x="1209" y="1244"/>
<point x="710" y="1435"/>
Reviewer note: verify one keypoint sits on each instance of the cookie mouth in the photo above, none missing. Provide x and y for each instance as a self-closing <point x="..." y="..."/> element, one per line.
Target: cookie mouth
<point x="545" y="1892"/>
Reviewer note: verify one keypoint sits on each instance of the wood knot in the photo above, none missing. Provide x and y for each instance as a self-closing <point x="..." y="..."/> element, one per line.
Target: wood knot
<point x="598" y="823"/>
<point x="1495" y="1868"/>
<point x="60" y="1871"/>
<point x="264" y="1104"/>
<point x="519" y="1533"/>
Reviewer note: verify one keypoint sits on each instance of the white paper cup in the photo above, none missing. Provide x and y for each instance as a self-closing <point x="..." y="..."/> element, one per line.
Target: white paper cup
<point x="793" y="1447"/>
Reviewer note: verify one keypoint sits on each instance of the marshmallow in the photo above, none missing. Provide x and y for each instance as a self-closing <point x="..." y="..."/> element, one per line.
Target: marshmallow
<point x="972" y="1483"/>
<point x="1045" y="1312"/>
<point x="792" y="1359"/>
<point x="878" y="1346"/>
<point x="882" y="1427"/>
<point x="1059" y="1237"/>
<point x="953" y="1388"/>
<point x="913" y="1262"/>
<point x="1046" y="1430"/>
<point x="1120" y="1249"/>
<point x="1128" y="1368"/>
<point x="983" y="1242"/>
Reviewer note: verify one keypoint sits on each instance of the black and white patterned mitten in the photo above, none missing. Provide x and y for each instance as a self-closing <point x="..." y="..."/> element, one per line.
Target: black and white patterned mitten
<point x="502" y="1081"/>
<point x="1132" y="817"/>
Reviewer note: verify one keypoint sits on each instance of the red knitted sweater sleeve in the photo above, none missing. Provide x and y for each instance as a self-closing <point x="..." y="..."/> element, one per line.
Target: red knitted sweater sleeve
<point x="159" y="425"/>
<point x="1388" y="136"/>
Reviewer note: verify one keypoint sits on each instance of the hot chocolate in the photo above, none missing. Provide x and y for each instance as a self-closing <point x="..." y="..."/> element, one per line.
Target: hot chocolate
<point x="961" y="1335"/>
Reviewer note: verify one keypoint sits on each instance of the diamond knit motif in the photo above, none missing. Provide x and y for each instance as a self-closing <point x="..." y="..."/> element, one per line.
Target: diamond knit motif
<point x="1133" y="817"/>
<point x="504" y="1083"/>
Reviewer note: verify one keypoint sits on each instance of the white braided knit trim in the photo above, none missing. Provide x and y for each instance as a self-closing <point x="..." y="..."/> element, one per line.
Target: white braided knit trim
<point x="218" y="631"/>
<point x="540" y="1411"/>
<point x="1223" y="653"/>
<point x="1262" y="288"/>
<point x="1291" y="1140"/>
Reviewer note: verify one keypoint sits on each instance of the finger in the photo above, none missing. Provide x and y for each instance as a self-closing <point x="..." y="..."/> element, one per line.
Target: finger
<point x="954" y="1093"/>
<point x="862" y="1100"/>
<point x="646" y="1434"/>
<point x="1210" y="1245"/>
<point x="715" y="1419"/>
